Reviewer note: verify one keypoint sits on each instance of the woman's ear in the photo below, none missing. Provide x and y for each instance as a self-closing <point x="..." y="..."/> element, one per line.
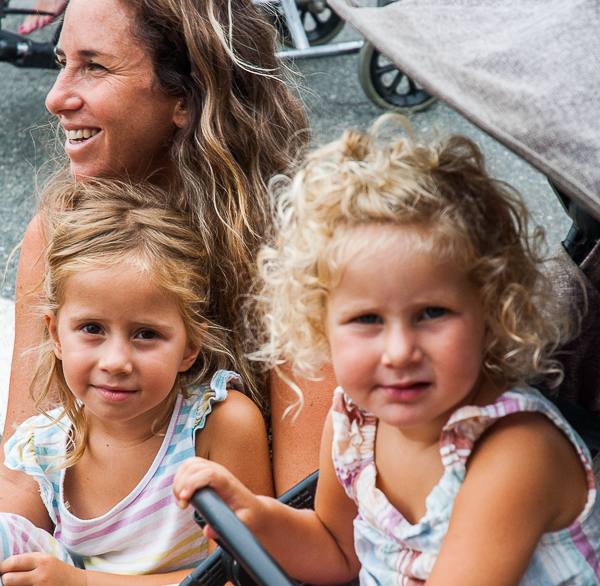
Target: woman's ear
<point x="180" y="116"/>
<point x="191" y="353"/>
<point x="52" y="325"/>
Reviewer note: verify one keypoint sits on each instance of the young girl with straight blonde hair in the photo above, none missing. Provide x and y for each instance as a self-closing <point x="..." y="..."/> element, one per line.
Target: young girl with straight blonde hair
<point x="131" y="346"/>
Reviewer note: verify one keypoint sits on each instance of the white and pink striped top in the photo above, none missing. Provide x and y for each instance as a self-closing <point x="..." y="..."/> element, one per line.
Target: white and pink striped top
<point x="146" y="532"/>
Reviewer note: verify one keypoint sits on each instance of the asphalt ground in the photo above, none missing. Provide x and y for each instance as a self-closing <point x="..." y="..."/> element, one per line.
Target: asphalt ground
<point x="330" y="90"/>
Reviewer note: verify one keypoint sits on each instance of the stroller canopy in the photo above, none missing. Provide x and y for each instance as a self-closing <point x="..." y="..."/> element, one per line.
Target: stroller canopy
<point x="527" y="72"/>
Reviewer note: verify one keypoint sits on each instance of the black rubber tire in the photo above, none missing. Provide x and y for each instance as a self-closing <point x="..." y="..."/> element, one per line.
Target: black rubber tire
<point x="387" y="86"/>
<point x="321" y="26"/>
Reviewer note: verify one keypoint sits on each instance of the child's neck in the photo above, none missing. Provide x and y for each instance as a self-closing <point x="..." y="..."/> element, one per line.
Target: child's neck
<point x="117" y="457"/>
<point x="122" y="434"/>
<point x="408" y="459"/>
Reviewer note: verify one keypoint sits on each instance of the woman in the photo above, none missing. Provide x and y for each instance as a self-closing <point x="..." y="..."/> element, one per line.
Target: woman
<point x="186" y="94"/>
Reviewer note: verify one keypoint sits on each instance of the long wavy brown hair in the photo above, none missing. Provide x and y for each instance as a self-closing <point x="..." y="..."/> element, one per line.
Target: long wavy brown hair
<point x="243" y="128"/>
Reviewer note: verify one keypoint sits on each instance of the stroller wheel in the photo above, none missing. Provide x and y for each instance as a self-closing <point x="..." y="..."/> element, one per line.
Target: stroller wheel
<point x="320" y="23"/>
<point x="387" y="86"/>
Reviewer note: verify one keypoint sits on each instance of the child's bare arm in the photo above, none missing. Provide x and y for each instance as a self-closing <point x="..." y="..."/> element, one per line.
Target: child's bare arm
<point x="235" y="436"/>
<point x="523" y="479"/>
<point x="315" y="547"/>
<point x="19" y="495"/>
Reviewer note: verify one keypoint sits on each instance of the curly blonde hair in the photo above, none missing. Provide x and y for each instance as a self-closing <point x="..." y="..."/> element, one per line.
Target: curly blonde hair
<point x="467" y="216"/>
<point x="101" y="224"/>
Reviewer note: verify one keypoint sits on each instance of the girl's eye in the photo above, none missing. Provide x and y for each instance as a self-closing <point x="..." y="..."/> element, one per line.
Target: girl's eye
<point x="92" y="329"/>
<point x="434" y="312"/>
<point x="368" y="319"/>
<point x="147" y="335"/>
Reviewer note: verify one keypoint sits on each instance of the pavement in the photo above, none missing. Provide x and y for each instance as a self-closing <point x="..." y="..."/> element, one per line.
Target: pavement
<point x="333" y="98"/>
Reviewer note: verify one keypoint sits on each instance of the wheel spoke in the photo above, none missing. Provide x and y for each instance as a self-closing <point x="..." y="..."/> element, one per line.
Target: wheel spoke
<point x="383" y="69"/>
<point x="392" y="87"/>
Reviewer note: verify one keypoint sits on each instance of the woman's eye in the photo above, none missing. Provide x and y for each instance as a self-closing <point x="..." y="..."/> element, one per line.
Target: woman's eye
<point x="95" y="67"/>
<point x="147" y="335"/>
<point x="92" y="329"/>
<point x="434" y="312"/>
<point x="368" y="319"/>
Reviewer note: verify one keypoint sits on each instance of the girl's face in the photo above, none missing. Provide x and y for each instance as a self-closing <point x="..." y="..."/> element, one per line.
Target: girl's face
<point x="407" y="333"/>
<point x="122" y="342"/>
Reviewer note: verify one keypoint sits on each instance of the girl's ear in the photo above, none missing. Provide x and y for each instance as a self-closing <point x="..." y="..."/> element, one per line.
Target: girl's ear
<point x="191" y="353"/>
<point x="52" y="325"/>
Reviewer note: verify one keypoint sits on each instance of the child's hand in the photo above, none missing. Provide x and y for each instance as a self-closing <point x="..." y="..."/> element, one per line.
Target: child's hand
<point x="195" y="473"/>
<point x="40" y="569"/>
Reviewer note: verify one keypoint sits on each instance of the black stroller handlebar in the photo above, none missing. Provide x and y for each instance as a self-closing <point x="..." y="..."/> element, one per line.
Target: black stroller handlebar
<point x="238" y="541"/>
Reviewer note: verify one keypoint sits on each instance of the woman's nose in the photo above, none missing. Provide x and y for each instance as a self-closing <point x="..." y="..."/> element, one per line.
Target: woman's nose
<point x="63" y="96"/>
<point x="401" y="348"/>
<point x="116" y="357"/>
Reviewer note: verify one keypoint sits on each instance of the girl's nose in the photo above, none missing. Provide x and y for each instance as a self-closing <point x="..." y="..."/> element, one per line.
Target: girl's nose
<point x="401" y="348"/>
<point x="116" y="357"/>
<point x="63" y="97"/>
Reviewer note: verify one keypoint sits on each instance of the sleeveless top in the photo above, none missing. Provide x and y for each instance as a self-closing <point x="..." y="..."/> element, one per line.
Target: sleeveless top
<point x="394" y="552"/>
<point x="146" y="532"/>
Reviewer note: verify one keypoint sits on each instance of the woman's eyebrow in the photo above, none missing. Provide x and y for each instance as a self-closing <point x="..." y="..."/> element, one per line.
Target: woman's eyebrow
<point x="89" y="53"/>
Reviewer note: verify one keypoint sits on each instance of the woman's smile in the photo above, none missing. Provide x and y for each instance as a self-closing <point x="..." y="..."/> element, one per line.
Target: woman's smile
<point x="80" y="135"/>
<point x="116" y="120"/>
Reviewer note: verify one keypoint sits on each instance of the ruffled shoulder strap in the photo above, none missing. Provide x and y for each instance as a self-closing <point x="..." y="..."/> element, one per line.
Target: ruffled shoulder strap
<point x="353" y="439"/>
<point x="206" y="395"/>
<point x="37" y="447"/>
<point x="468" y="424"/>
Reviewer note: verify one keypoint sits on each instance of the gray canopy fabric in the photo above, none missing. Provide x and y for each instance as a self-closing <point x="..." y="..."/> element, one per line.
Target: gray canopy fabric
<point x="527" y="72"/>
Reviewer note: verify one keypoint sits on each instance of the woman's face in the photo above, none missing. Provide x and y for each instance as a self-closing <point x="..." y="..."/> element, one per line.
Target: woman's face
<point x="117" y="122"/>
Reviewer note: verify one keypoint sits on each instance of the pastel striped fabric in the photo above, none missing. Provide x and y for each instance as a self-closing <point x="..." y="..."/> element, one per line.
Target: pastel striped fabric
<point x="394" y="552"/>
<point x="146" y="532"/>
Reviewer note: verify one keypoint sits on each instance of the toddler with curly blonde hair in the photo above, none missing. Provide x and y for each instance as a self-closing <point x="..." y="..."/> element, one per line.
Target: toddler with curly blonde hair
<point x="411" y="270"/>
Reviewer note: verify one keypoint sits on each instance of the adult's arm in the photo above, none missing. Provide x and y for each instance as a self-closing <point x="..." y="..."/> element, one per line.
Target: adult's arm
<point x="19" y="492"/>
<point x="297" y="440"/>
<point x="28" y="297"/>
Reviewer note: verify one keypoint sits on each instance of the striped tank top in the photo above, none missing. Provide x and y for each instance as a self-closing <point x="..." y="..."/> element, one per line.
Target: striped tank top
<point x="146" y="532"/>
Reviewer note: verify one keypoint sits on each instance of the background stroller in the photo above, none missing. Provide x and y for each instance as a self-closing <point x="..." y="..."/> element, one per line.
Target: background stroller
<point x="526" y="73"/>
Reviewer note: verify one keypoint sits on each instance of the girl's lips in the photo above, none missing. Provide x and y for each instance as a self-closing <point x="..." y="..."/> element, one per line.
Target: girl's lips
<point x="406" y="392"/>
<point x="115" y="395"/>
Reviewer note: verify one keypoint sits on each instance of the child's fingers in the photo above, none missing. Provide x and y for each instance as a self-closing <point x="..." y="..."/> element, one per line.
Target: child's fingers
<point x="196" y="473"/>
<point x="185" y="477"/>
<point x="19" y="570"/>
<point x="24" y="562"/>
